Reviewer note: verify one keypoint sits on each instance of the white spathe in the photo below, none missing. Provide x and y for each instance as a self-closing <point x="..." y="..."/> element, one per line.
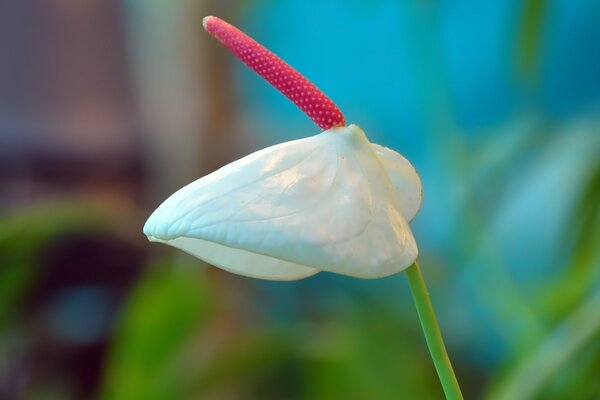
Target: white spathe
<point x="331" y="202"/>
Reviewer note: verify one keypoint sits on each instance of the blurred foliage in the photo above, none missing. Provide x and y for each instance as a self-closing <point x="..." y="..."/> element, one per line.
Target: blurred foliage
<point x="570" y="302"/>
<point x="369" y="350"/>
<point x="529" y="38"/>
<point x="169" y="344"/>
<point x="147" y="357"/>
<point x="550" y="360"/>
<point x="23" y="234"/>
<point x="582" y="271"/>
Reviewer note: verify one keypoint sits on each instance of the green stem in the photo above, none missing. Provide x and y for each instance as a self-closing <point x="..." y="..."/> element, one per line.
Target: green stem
<point x="433" y="335"/>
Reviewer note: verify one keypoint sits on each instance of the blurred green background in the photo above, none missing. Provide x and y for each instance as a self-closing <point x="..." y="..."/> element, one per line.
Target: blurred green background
<point x="107" y="107"/>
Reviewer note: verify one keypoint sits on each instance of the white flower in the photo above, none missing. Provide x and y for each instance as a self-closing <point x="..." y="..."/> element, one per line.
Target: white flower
<point x="331" y="202"/>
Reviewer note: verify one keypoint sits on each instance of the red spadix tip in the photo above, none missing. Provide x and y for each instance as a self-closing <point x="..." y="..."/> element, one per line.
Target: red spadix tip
<point x="277" y="72"/>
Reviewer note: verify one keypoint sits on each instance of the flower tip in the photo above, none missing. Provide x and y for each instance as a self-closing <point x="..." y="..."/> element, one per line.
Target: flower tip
<point x="154" y="229"/>
<point x="206" y="21"/>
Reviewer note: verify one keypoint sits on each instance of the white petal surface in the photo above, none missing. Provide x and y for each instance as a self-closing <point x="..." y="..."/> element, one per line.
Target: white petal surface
<point x="324" y="203"/>
<point x="404" y="179"/>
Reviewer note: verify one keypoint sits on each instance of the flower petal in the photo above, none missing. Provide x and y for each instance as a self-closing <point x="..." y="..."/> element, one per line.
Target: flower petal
<point x="404" y="179"/>
<point x="288" y="211"/>
<point x="239" y="261"/>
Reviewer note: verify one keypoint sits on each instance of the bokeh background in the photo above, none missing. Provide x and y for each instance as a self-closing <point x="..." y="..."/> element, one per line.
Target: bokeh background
<point x="107" y="107"/>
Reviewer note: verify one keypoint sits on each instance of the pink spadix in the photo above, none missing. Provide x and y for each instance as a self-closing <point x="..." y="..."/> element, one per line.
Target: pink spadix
<point x="278" y="73"/>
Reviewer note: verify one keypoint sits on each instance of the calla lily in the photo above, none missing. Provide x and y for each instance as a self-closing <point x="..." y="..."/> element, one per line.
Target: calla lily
<point x="331" y="202"/>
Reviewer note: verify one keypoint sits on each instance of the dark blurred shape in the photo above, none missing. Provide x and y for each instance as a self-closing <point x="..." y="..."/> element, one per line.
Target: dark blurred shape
<point x="70" y="311"/>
